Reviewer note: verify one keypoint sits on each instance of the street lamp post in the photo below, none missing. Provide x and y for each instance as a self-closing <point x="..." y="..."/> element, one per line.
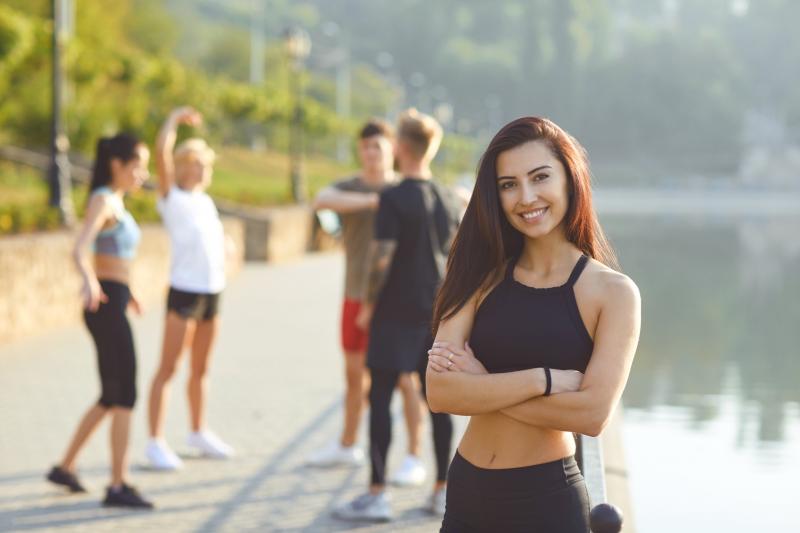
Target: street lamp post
<point x="257" y="44"/>
<point x="343" y="90"/>
<point x="59" y="171"/>
<point x="397" y="98"/>
<point x="338" y="58"/>
<point x="298" y="46"/>
<point x="422" y="100"/>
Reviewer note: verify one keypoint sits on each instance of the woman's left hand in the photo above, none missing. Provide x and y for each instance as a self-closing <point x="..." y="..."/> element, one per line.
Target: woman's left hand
<point x="135" y="306"/>
<point x="446" y="357"/>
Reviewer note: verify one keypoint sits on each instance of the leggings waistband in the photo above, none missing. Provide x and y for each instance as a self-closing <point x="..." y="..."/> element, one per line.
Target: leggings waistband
<point x="540" y="477"/>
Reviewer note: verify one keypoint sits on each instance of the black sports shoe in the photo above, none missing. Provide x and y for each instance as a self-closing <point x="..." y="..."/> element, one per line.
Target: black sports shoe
<point x="62" y="477"/>
<point x="126" y="496"/>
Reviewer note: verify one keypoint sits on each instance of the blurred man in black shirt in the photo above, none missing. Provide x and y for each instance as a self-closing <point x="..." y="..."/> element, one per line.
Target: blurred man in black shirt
<point x="414" y="226"/>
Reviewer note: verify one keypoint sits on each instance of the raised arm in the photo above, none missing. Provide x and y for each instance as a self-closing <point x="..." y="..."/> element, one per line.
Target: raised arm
<point x="97" y="213"/>
<point x="588" y="410"/>
<point x="165" y="144"/>
<point x="341" y="201"/>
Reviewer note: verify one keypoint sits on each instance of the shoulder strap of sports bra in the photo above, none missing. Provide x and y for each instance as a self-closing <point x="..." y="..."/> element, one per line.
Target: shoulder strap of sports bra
<point x="117" y="205"/>
<point x="576" y="272"/>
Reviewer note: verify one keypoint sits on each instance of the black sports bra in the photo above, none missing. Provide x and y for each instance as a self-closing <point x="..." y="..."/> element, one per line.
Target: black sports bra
<point x="519" y="327"/>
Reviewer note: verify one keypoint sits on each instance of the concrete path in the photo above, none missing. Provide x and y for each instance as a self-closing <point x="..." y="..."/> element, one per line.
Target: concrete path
<point x="276" y="396"/>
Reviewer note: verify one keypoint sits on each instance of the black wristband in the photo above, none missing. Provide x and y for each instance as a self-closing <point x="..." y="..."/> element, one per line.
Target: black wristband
<point x="549" y="379"/>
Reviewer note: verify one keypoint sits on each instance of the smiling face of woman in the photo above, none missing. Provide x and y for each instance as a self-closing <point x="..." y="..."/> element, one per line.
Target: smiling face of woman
<point x="533" y="188"/>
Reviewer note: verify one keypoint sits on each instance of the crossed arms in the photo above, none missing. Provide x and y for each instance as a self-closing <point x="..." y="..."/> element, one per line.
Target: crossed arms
<point x="466" y="389"/>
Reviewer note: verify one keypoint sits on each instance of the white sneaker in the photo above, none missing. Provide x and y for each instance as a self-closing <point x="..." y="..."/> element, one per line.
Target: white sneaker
<point x="208" y="444"/>
<point x="334" y="454"/>
<point x="410" y="474"/>
<point x="367" y="507"/>
<point x="437" y="502"/>
<point x="159" y="456"/>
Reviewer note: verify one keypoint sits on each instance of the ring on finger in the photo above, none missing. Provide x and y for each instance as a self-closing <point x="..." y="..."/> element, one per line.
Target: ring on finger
<point x="450" y="357"/>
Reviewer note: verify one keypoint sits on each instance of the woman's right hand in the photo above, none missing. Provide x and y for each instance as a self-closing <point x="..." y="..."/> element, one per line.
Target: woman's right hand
<point x="92" y="295"/>
<point x="445" y="357"/>
<point x="565" y="380"/>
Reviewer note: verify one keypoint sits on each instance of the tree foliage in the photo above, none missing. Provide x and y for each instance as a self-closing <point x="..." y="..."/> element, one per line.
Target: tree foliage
<point x="123" y="75"/>
<point x="663" y="82"/>
<point x="667" y="84"/>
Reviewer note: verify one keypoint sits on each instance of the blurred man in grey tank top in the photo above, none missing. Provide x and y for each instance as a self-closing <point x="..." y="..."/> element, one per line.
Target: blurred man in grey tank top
<point x="355" y="200"/>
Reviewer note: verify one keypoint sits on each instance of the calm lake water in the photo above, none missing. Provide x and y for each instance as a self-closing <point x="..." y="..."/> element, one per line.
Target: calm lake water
<point x="712" y="408"/>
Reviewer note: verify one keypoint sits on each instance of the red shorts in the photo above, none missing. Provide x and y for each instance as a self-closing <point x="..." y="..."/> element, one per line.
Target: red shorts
<point x="354" y="339"/>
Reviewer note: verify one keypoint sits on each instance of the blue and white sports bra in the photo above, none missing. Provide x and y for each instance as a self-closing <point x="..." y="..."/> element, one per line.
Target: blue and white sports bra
<point x="122" y="239"/>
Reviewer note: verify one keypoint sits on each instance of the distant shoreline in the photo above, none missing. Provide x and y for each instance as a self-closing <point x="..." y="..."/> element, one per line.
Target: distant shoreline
<point x="725" y="202"/>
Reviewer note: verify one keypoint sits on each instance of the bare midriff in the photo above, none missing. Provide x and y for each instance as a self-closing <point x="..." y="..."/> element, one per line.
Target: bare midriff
<point x="497" y="441"/>
<point x="112" y="268"/>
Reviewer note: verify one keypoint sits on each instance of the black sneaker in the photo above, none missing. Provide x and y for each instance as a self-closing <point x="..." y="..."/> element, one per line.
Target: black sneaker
<point x="126" y="496"/>
<point x="62" y="477"/>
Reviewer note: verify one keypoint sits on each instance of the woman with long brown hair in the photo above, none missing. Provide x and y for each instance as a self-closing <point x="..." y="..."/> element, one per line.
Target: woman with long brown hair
<point x="104" y="252"/>
<point x="536" y="334"/>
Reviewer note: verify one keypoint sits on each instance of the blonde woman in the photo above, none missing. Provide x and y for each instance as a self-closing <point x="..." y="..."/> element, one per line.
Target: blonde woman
<point x="197" y="278"/>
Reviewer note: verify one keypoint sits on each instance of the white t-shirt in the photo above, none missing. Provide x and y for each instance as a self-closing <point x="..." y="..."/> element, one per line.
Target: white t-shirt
<point x="198" y="241"/>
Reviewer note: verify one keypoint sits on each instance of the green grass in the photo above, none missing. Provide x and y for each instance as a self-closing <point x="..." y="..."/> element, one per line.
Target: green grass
<point x="23" y="201"/>
<point x="240" y="175"/>
<point x="262" y="178"/>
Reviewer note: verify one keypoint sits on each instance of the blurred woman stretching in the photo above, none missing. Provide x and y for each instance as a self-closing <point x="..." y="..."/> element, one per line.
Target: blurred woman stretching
<point x="197" y="278"/>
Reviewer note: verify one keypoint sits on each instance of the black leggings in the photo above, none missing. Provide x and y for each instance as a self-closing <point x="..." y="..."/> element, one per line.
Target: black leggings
<point x="380" y="424"/>
<point x="547" y="498"/>
<point x="116" y="357"/>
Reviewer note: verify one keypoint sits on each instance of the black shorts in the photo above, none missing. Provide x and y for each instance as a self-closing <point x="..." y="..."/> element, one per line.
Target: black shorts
<point x="398" y="346"/>
<point x="193" y="305"/>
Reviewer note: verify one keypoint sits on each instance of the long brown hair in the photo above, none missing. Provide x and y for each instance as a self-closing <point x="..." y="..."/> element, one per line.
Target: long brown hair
<point x="121" y="146"/>
<point x="486" y="241"/>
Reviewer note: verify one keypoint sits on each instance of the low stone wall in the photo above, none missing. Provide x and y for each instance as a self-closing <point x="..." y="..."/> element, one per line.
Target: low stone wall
<point x="278" y="234"/>
<point x="40" y="286"/>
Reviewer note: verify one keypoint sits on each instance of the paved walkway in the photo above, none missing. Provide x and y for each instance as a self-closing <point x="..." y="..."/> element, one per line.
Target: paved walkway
<point x="276" y="388"/>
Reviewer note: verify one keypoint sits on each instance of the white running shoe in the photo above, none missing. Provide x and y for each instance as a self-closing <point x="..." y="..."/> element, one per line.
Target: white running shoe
<point x="209" y="445"/>
<point x="410" y="474"/>
<point x="160" y="456"/>
<point x="334" y="454"/>
<point x="437" y="502"/>
<point x="366" y="508"/>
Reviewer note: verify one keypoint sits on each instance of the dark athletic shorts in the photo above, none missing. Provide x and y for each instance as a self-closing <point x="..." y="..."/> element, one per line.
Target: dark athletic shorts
<point x="193" y="305"/>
